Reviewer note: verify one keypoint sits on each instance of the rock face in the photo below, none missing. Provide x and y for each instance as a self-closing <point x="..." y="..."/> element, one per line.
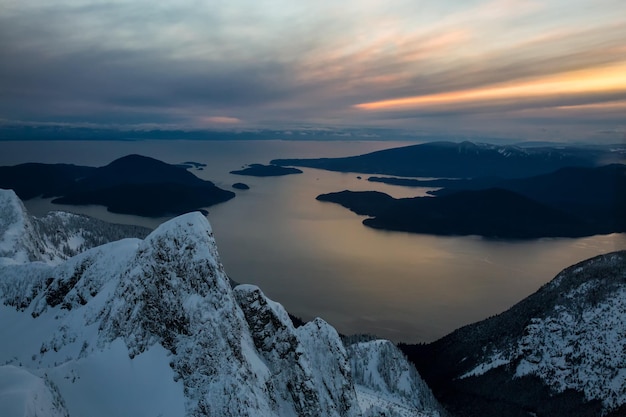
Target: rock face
<point x="148" y="327"/>
<point x="559" y="352"/>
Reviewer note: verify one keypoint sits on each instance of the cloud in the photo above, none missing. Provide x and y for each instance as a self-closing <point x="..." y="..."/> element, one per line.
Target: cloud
<point x="278" y="62"/>
<point x="603" y="82"/>
<point x="220" y="120"/>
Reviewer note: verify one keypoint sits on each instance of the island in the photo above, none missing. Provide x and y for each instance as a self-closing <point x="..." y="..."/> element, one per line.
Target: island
<point x="569" y="202"/>
<point x="492" y="213"/>
<point x="199" y="166"/>
<point x="260" y="170"/>
<point x="240" y="186"/>
<point x="133" y="184"/>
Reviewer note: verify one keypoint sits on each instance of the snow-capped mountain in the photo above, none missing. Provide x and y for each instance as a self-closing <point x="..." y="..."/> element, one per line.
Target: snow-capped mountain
<point x="379" y="367"/>
<point x="153" y="327"/>
<point x="54" y="237"/>
<point x="19" y="242"/>
<point x="559" y="352"/>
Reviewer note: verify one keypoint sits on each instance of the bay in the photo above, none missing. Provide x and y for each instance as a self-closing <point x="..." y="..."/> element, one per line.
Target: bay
<point x="316" y="258"/>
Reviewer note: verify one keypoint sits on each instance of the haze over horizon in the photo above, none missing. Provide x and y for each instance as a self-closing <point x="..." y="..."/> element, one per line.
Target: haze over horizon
<point x="518" y="69"/>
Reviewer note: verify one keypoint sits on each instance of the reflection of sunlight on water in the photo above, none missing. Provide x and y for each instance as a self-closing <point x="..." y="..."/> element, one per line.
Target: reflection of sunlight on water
<point x="601" y="242"/>
<point x="319" y="260"/>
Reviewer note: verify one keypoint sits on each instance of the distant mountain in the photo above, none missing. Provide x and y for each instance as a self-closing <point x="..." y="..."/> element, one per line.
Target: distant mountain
<point x="461" y="160"/>
<point x="492" y="212"/>
<point x="597" y="195"/>
<point x="154" y="327"/>
<point x="133" y="184"/>
<point x="260" y="170"/>
<point x="559" y="352"/>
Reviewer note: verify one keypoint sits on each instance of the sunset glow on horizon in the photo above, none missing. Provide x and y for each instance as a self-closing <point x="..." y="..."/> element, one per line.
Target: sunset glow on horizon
<point x="443" y="68"/>
<point x="593" y="81"/>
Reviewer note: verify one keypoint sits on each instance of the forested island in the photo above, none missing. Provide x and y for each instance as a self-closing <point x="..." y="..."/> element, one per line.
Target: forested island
<point x="133" y="184"/>
<point x="260" y="170"/>
<point x="569" y="202"/>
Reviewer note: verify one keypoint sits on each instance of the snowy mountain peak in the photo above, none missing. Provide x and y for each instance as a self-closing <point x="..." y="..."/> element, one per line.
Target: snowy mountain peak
<point x="161" y="313"/>
<point x="191" y="223"/>
<point x="186" y="237"/>
<point x="18" y="240"/>
<point x="53" y="238"/>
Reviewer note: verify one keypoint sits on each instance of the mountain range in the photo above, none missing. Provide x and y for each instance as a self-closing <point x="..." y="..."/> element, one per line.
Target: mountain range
<point x="464" y="160"/>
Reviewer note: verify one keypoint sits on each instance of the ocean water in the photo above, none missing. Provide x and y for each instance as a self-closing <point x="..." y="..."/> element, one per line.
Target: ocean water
<point x="317" y="259"/>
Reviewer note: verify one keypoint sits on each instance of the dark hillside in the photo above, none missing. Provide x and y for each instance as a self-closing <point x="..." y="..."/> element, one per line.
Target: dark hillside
<point x="133" y="184"/>
<point x="48" y="180"/>
<point x="498" y="391"/>
<point x="493" y="213"/>
<point x="458" y="160"/>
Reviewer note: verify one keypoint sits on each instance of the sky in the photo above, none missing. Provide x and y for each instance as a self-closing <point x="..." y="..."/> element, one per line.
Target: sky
<point x="533" y="70"/>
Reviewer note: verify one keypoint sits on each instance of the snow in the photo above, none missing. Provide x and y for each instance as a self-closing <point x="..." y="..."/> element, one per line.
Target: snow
<point x="53" y="238"/>
<point x="385" y="380"/>
<point x="75" y="242"/>
<point x="152" y="327"/>
<point x="578" y="344"/>
<point x="330" y="366"/>
<point x="16" y="240"/>
<point x="495" y="361"/>
<point x="373" y="404"/>
<point x="23" y="394"/>
<point x="109" y="383"/>
<point x="582" y="351"/>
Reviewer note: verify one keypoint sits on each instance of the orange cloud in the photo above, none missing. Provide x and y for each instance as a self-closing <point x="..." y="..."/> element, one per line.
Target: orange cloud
<point x="618" y="105"/>
<point x="222" y="120"/>
<point x="592" y="81"/>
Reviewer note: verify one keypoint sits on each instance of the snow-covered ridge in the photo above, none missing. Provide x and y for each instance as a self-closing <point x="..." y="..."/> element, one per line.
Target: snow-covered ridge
<point x="54" y="237"/>
<point x="580" y="340"/>
<point x="26" y="395"/>
<point x="19" y="242"/>
<point x="379" y="367"/>
<point x="148" y="327"/>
